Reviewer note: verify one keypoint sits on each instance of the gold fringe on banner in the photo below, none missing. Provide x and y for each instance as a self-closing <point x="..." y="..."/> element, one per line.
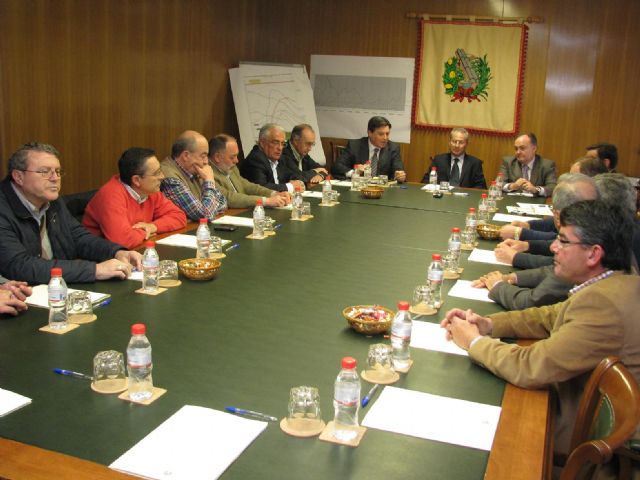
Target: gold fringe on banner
<point x="474" y="18"/>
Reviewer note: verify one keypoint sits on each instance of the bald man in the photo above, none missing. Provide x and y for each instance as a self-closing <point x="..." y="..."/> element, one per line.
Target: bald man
<point x="189" y="180"/>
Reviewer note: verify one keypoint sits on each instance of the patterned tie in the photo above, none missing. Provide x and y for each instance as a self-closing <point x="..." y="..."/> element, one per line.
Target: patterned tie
<point x="374" y="163"/>
<point x="525" y="172"/>
<point x="454" y="178"/>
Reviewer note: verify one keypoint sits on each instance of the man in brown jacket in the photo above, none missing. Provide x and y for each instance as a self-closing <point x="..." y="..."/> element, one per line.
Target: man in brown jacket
<point x="592" y="251"/>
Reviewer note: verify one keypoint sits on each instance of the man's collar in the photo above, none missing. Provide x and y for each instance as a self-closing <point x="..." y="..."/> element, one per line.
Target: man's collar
<point x="31" y="208"/>
<point x="190" y="176"/>
<point x="296" y="154"/>
<point x="591" y="281"/>
<point x="135" y="195"/>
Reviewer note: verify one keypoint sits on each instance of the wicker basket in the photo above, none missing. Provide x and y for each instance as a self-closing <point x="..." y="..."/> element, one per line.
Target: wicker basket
<point x="368" y="327"/>
<point x="489" y="231"/>
<point x="199" y="268"/>
<point x="372" y="191"/>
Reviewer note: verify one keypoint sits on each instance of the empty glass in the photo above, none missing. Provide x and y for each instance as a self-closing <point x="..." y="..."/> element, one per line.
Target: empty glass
<point x="269" y="224"/>
<point x="421" y="300"/>
<point x="379" y="364"/>
<point x="215" y="246"/>
<point x="384" y="179"/>
<point x="109" y="372"/>
<point x="79" y="303"/>
<point x="306" y="209"/>
<point x="450" y="263"/>
<point x="334" y="195"/>
<point x="304" y="411"/>
<point x="444" y="186"/>
<point x="168" y="273"/>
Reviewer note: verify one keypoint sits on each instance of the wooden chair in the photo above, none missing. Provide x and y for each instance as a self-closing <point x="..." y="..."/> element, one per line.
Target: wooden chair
<point x="337" y="146"/>
<point x="608" y="415"/>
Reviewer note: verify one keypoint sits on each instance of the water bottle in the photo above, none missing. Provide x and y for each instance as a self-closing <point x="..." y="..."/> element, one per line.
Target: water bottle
<point x="435" y="274"/>
<point x="493" y="196"/>
<point x="326" y="191"/>
<point x="57" y="295"/>
<point x="258" y="219"/>
<point x="500" y="184"/>
<point x="401" y="336"/>
<point x="346" y="401"/>
<point x="483" y="210"/>
<point x="433" y="176"/>
<point x="296" y="211"/>
<point x="367" y="173"/>
<point x="455" y="243"/>
<point x="470" y="224"/>
<point x="139" y="364"/>
<point x="150" y="267"/>
<point x="203" y="239"/>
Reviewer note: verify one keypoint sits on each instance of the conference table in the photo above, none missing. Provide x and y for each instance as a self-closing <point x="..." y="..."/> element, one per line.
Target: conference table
<point x="269" y="321"/>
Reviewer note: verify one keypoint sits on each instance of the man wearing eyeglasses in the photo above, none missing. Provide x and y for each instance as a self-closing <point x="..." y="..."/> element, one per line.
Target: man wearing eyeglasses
<point x="264" y="164"/>
<point x="39" y="233"/>
<point x="599" y="319"/>
<point x="130" y="208"/>
<point x="296" y="154"/>
<point x="458" y="167"/>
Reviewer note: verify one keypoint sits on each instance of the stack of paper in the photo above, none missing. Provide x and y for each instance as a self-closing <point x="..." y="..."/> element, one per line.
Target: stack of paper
<point x="233" y="220"/>
<point x="463" y="289"/>
<point x="10" y="401"/>
<point x="536" y="208"/>
<point x="194" y="443"/>
<point x="484" y="256"/>
<point x="310" y="194"/>
<point x="341" y="183"/>
<point x="503" y="217"/>
<point x="40" y="298"/>
<point x="431" y="336"/>
<point x="182" y="240"/>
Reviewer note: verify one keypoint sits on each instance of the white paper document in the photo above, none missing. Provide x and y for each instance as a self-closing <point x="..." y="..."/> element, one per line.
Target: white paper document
<point x="182" y="240"/>
<point x="503" y="217"/>
<point x="233" y="220"/>
<point x="520" y="194"/>
<point x="195" y="443"/>
<point x="310" y="194"/>
<point x="11" y="401"/>
<point x="433" y="417"/>
<point x="40" y="297"/>
<point x="484" y="256"/>
<point x="341" y="183"/>
<point x="463" y="289"/>
<point x="536" y="208"/>
<point x="430" y="188"/>
<point x="431" y="336"/>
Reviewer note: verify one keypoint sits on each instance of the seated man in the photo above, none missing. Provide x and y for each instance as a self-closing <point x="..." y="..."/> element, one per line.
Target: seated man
<point x="590" y="166"/>
<point x="130" y="208"/>
<point x="376" y="146"/>
<point x="527" y="171"/>
<point x="593" y="252"/>
<point x="296" y="154"/>
<point x="188" y="178"/>
<point x="458" y="167"/>
<point x="239" y="192"/>
<point x="607" y="153"/>
<point x="12" y="296"/>
<point x="39" y="233"/>
<point x="263" y="165"/>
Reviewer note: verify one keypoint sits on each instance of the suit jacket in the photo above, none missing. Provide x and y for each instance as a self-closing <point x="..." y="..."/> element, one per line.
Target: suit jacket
<point x="471" y="175"/>
<point x="357" y="152"/>
<point x="544" y="229"/>
<point x="308" y="164"/>
<point x="543" y="173"/>
<point x="527" y="260"/>
<point x="244" y="194"/>
<point x="536" y="287"/>
<point x="575" y="335"/>
<point x="257" y="169"/>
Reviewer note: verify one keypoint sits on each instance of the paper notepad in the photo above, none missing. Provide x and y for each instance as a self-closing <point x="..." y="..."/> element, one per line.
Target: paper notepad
<point x="503" y="217"/>
<point x="182" y="240"/>
<point x="195" y="443"/>
<point x="433" y="417"/>
<point x="484" y="256"/>
<point x="463" y="289"/>
<point x="40" y="298"/>
<point x="11" y="401"/>
<point x="309" y="194"/>
<point x="431" y="336"/>
<point x="233" y="220"/>
<point x="341" y="183"/>
<point x="536" y="208"/>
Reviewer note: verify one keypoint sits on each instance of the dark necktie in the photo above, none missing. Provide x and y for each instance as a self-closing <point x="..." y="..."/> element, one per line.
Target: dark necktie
<point x="525" y="172"/>
<point x="454" y="178"/>
<point x="374" y="163"/>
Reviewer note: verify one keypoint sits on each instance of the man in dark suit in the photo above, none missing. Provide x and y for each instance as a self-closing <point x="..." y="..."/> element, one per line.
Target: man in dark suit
<point x="527" y="171"/>
<point x="376" y="146"/>
<point x="458" y="167"/>
<point x="263" y="165"/>
<point x="607" y="153"/>
<point x="296" y="154"/>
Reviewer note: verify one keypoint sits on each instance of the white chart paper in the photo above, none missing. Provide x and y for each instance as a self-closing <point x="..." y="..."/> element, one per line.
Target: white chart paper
<point x="233" y="220"/>
<point x="430" y="336"/>
<point x="182" y="240"/>
<point x="195" y="443"/>
<point x="433" y="417"/>
<point x="484" y="256"/>
<point x="463" y="289"/>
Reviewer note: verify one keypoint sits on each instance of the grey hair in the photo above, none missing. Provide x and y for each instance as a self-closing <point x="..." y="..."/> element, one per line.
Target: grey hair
<point x="572" y="188"/>
<point x="187" y="143"/>
<point x="266" y="130"/>
<point x="296" y="132"/>
<point x="616" y="189"/>
<point x="461" y="130"/>
<point x="20" y="158"/>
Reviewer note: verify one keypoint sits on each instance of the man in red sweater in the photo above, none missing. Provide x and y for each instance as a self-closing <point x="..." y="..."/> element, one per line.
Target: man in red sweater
<point x="130" y="208"/>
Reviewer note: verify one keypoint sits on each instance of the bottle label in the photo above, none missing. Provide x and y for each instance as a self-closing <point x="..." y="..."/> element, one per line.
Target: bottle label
<point x="435" y="275"/>
<point x="139" y="358"/>
<point x="57" y="295"/>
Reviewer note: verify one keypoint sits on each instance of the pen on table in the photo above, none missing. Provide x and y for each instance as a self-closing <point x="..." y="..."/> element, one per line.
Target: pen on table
<point x="251" y="413"/>
<point x="104" y="303"/>
<point x="235" y="245"/>
<point x="278" y="226"/>
<point x="70" y="373"/>
<point x="367" y="398"/>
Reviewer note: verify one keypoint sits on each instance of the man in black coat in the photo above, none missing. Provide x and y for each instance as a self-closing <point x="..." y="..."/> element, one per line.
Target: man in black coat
<point x="296" y="154"/>
<point x="458" y="167"/>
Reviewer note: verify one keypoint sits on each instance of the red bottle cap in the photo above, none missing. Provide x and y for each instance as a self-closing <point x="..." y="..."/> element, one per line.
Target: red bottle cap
<point x="436" y="256"/>
<point x="493" y="182"/>
<point x="203" y="220"/>
<point x="150" y="244"/>
<point x="349" y="363"/>
<point x="455" y="230"/>
<point x="472" y="210"/>
<point x="298" y="188"/>
<point x="403" y="305"/>
<point x="328" y="177"/>
<point x="484" y="195"/>
<point x="259" y="201"/>
<point x="138" y="329"/>
<point x="56" y="272"/>
<point x="368" y="162"/>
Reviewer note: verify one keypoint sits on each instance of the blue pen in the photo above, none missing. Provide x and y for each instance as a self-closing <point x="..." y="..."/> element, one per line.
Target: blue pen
<point x="104" y="303"/>
<point x="278" y="226"/>
<point x="70" y="373"/>
<point x="367" y="398"/>
<point x="404" y="187"/>
<point x="235" y="245"/>
<point x="251" y="413"/>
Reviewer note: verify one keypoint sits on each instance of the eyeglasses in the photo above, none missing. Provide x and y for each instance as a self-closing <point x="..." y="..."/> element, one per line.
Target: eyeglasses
<point x="47" y="172"/>
<point x="276" y="143"/>
<point x="564" y="243"/>
<point x="157" y="174"/>
<point x="457" y="143"/>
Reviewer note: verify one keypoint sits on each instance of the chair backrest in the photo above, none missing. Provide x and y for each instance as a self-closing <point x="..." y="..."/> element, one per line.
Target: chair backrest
<point x="77" y="202"/>
<point x="336" y="149"/>
<point x="608" y="415"/>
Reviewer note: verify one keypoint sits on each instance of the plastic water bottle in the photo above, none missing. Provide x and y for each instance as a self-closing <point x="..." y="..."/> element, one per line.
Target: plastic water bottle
<point x="470" y="224"/>
<point x="500" y="184"/>
<point x="433" y="176"/>
<point x="296" y="211"/>
<point x="455" y="243"/>
<point x="401" y="336"/>
<point x="367" y="173"/>
<point x="258" y="219"/>
<point x="346" y="401"/>
<point x="139" y="364"/>
<point x="57" y="295"/>
<point x="203" y="239"/>
<point x="435" y="274"/>
<point x="150" y="267"/>
<point x="326" y="191"/>
<point x="483" y="210"/>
